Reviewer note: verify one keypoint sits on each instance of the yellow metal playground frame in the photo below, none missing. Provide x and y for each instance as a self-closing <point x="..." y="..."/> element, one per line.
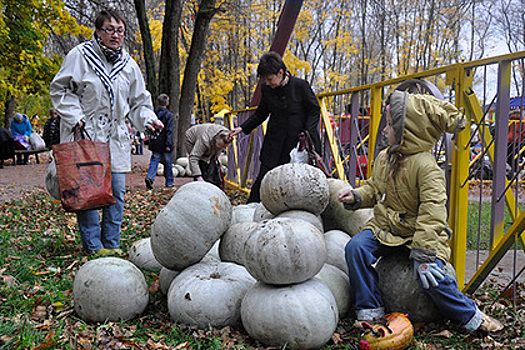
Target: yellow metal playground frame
<point x="459" y="77"/>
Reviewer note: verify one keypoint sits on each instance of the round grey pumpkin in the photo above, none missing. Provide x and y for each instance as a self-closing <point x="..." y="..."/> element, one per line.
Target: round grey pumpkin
<point x="298" y="316"/>
<point x="400" y="288"/>
<point x="213" y="253"/>
<point x="295" y="186"/>
<point x="303" y="215"/>
<point x="51" y="180"/>
<point x="339" y="284"/>
<point x="109" y="289"/>
<point x="189" y="225"/>
<point x="166" y="276"/>
<point x="142" y="256"/>
<point x="336" y="217"/>
<point x="336" y="241"/>
<point x="283" y="251"/>
<point x="231" y="246"/>
<point x="182" y="161"/>
<point x="209" y="294"/>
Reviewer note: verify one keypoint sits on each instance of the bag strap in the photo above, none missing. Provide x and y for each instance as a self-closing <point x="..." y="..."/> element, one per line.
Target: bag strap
<point x="80" y="133"/>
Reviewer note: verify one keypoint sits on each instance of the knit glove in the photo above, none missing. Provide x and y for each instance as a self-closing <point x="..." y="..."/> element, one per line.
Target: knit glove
<point x="428" y="273"/>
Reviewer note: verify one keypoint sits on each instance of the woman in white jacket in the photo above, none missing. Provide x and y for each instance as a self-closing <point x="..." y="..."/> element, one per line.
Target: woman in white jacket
<point x="99" y="86"/>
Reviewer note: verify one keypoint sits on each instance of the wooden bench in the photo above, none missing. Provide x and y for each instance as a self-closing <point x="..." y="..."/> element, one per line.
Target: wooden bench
<point x="29" y="152"/>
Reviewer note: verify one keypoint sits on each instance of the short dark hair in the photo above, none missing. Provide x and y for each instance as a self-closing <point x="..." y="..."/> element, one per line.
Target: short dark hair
<point x="52" y="111"/>
<point x="105" y="15"/>
<point x="163" y="100"/>
<point x="270" y="63"/>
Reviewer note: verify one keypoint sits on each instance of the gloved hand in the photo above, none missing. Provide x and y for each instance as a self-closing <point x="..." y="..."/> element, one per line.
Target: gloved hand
<point x="428" y="273"/>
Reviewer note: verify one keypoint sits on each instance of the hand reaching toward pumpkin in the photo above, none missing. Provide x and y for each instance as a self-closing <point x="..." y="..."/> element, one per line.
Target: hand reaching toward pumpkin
<point x="346" y="196"/>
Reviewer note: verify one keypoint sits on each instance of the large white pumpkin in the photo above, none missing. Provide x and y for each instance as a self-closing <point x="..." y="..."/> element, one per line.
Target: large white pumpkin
<point x="166" y="276"/>
<point x="336" y="217"/>
<point x="188" y="226"/>
<point x="209" y="294"/>
<point x="299" y="316"/>
<point x="303" y="215"/>
<point x="336" y="241"/>
<point x="339" y="284"/>
<point x="182" y="161"/>
<point x="142" y="256"/>
<point x="231" y="246"/>
<point x="295" y="186"/>
<point x="109" y="289"/>
<point x="284" y="251"/>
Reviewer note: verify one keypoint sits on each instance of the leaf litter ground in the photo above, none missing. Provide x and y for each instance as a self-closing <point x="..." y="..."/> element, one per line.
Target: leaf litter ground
<point x="40" y="252"/>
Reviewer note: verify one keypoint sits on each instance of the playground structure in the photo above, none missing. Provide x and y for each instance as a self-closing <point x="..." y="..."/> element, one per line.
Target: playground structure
<point x="351" y="141"/>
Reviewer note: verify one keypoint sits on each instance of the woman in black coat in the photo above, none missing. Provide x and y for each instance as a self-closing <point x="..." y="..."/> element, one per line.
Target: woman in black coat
<point x="292" y="107"/>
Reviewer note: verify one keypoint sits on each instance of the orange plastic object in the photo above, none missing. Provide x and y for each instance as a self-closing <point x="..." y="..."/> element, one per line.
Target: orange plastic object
<point x="397" y="335"/>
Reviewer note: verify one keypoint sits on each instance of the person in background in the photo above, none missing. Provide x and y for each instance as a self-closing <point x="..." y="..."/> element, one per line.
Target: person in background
<point x="292" y="107"/>
<point x="7" y="146"/>
<point x="139" y="136"/>
<point x="408" y="192"/>
<point x="21" y="130"/>
<point x="52" y="129"/>
<point x="98" y="86"/>
<point x="161" y="146"/>
<point x="203" y="145"/>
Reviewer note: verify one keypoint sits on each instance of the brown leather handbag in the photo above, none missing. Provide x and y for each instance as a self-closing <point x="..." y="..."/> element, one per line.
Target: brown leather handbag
<point x="84" y="173"/>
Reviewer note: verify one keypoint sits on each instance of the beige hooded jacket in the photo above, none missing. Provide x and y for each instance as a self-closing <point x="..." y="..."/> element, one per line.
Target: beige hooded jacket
<point x="200" y="144"/>
<point x="410" y="207"/>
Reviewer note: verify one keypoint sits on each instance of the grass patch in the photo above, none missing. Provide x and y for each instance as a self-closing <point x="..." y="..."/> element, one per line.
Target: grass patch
<point x="478" y="231"/>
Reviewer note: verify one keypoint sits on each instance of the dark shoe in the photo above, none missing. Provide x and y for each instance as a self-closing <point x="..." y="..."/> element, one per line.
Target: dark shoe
<point x="170" y="186"/>
<point x="149" y="183"/>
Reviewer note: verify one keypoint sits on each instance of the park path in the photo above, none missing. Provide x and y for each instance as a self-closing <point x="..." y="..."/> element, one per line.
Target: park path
<point x="15" y="181"/>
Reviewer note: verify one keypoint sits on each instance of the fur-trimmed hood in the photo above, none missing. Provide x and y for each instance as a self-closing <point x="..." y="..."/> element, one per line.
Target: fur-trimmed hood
<point x="419" y="121"/>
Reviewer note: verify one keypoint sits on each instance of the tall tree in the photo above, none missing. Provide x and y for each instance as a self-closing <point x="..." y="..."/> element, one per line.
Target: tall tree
<point x="204" y="16"/>
<point x="149" y="57"/>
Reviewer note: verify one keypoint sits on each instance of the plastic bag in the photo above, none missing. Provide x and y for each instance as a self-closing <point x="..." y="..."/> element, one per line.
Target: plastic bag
<point x="297" y="156"/>
<point x="37" y="142"/>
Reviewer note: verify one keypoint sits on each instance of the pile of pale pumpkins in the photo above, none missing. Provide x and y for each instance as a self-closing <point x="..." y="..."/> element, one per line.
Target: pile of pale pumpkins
<point x="181" y="167"/>
<point x="276" y="268"/>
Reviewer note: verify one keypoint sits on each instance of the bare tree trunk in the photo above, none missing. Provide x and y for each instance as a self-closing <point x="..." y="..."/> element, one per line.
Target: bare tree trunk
<point x="9" y="110"/>
<point x="202" y="23"/>
<point x="169" y="70"/>
<point x="149" y="58"/>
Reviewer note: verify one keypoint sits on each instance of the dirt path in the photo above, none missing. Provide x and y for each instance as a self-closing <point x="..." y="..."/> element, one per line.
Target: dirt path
<point x="20" y="179"/>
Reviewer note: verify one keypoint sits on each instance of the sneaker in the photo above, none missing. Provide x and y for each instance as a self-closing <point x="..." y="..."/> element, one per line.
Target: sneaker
<point x="489" y="324"/>
<point x="170" y="186"/>
<point x="149" y="183"/>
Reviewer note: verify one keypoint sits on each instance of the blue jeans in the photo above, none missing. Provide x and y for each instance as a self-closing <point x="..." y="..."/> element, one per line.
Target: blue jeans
<point x="363" y="250"/>
<point x="96" y="235"/>
<point x="168" y="166"/>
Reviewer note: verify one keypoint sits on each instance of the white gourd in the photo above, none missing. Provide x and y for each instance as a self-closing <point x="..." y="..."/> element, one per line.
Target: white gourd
<point x="142" y="256"/>
<point x="336" y="217"/>
<point x="231" y="246"/>
<point x="339" y="284"/>
<point x="109" y="289"/>
<point x="295" y="186"/>
<point x="303" y="215"/>
<point x="298" y="316"/>
<point x="283" y="251"/>
<point x="209" y="294"/>
<point x="336" y="241"/>
<point x="190" y="224"/>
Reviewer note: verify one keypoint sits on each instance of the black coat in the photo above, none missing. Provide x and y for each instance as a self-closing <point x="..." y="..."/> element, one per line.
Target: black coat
<point x="7" y="144"/>
<point x="165" y="138"/>
<point x="292" y="108"/>
<point x="52" y="132"/>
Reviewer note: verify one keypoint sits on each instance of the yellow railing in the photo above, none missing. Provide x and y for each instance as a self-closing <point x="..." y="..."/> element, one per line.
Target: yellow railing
<point x="458" y="81"/>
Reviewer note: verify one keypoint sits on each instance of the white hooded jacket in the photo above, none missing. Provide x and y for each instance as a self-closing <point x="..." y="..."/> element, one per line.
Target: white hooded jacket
<point x="88" y="88"/>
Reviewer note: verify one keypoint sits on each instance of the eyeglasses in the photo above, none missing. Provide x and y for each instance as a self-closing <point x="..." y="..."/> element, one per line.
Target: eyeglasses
<point x="110" y="31"/>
